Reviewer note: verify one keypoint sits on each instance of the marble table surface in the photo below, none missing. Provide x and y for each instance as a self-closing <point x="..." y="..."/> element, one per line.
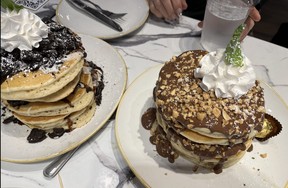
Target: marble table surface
<point x="99" y="163"/>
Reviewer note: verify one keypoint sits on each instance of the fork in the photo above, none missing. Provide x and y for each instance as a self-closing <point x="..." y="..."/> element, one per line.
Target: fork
<point x="53" y="168"/>
<point x="112" y="15"/>
<point x="57" y="164"/>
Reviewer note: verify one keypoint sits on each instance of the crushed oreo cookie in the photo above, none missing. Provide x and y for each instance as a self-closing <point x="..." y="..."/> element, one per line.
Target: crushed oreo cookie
<point x="60" y="42"/>
<point x="98" y="83"/>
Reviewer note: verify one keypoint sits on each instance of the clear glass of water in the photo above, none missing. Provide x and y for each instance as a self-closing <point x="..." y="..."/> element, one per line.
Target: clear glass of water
<point x="221" y="18"/>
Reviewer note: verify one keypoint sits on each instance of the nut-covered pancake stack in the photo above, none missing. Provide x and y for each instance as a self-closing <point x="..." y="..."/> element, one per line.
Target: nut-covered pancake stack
<point x="211" y="132"/>
<point x="52" y="86"/>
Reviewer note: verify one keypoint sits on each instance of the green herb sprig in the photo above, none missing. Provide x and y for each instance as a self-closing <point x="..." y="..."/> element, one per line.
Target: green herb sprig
<point x="10" y="5"/>
<point x="233" y="54"/>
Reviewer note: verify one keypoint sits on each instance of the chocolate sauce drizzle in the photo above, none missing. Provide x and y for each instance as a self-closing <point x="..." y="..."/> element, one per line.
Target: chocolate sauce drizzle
<point x="98" y="88"/>
<point x="148" y="118"/>
<point x="60" y="42"/>
<point x="161" y="140"/>
<point x="163" y="145"/>
<point x="37" y="135"/>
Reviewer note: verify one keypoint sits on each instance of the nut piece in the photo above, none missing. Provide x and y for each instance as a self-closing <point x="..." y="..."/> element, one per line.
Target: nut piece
<point x="261" y="109"/>
<point x="173" y="92"/>
<point x="160" y="102"/>
<point x="206" y="96"/>
<point x="201" y="115"/>
<point x="263" y="155"/>
<point x="216" y="112"/>
<point x="175" y="114"/>
<point x="225" y="115"/>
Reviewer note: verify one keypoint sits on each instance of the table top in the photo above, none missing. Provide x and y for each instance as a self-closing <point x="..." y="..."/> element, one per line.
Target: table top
<point x="99" y="163"/>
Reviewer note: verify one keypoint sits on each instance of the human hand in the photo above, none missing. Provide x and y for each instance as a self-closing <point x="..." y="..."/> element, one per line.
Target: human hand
<point x="167" y="9"/>
<point x="254" y="16"/>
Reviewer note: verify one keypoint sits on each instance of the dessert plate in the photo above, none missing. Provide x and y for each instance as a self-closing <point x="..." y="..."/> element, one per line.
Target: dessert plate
<point x="262" y="167"/>
<point x="14" y="145"/>
<point x="137" y="13"/>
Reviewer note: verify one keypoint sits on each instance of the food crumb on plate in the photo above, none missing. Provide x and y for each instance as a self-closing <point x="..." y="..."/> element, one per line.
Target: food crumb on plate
<point x="263" y="155"/>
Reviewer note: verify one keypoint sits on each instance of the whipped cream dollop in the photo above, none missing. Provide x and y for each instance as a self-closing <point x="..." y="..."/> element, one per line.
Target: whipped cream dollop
<point x="228" y="81"/>
<point x="23" y="30"/>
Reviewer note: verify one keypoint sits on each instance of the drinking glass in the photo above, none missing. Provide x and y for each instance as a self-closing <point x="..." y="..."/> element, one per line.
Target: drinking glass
<point x="221" y="18"/>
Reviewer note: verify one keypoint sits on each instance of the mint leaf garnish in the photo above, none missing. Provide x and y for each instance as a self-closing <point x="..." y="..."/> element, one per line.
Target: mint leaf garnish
<point x="233" y="53"/>
<point x="10" y="5"/>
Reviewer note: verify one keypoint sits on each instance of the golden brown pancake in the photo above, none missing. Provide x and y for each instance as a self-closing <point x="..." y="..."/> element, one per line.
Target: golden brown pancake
<point x="211" y="156"/>
<point x="38" y="84"/>
<point x="183" y="104"/>
<point x="211" y="132"/>
<point x="200" y="138"/>
<point x="60" y="94"/>
<point x="77" y="100"/>
<point x="68" y="122"/>
<point x="52" y="86"/>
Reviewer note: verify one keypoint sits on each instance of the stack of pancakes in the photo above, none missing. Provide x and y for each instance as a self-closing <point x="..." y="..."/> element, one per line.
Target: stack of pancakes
<point x="211" y="132"/>
<point x="60" y="95"/>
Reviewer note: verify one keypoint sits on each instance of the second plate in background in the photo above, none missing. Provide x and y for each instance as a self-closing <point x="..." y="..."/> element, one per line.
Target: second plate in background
<point x="137" y="13"/>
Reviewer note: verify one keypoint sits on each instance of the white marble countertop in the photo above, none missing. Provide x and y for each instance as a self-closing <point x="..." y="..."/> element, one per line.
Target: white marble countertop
<point x="98" y="163"/>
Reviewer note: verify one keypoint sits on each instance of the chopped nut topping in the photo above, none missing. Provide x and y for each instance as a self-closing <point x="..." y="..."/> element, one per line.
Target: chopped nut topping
<point x="225" y="115"/>
<point x="261" y="109"/>
<point x="201" y="115"/>
<point x="173" y="92"/>
<point x="264" y="155"/>
<point x="216" y="112"/>
<point x="181" y="99"/>
<point x="175" y="114"/>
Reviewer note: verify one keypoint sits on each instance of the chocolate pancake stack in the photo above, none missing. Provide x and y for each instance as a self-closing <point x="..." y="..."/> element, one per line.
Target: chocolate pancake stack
<point x="211" y="132"/>
<point x="52" y="86"/>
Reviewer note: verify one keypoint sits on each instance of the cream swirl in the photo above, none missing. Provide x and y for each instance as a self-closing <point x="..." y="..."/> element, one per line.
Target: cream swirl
<point x="228" y="81"/>
<point x="23" y="30"/>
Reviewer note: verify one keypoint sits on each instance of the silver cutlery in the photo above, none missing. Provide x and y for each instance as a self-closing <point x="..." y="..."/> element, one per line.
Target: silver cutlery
<point x="107" y="12"/>
<point x="95" y="13"/>
<point x="53" y="168"/>
<point x="57" y="164"/>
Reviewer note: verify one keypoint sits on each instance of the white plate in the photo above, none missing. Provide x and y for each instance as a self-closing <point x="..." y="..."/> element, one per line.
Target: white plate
<point x="14" y="146"/>
<point x="137" y="13"/>
<point x="155" y="171"/>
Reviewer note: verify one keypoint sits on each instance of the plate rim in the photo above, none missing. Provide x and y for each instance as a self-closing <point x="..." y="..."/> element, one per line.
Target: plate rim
<point x="141" y="179"/>
<point x="113" y="36"/>
<point x="101" y="124"/>
<point x="124" y="155"/>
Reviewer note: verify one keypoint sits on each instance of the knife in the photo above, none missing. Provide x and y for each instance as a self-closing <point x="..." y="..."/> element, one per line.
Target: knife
<point x="95" y="14"/>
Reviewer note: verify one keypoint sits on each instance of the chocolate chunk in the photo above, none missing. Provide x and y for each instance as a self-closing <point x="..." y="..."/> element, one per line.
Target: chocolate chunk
<point x="60" y="42"/>
<point x="57" y="132"/>
<point x="36" y="135"/>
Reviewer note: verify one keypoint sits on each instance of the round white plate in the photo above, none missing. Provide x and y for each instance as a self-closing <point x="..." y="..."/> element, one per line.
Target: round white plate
<point x="155" y="171"/>
<point x="137" y="13"/>
<point x="14" y="145"/>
